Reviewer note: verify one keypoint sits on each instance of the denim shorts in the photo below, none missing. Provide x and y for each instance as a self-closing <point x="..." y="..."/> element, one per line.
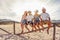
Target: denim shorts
<point x="36" y="21"/>
<point x="24" y="21"/>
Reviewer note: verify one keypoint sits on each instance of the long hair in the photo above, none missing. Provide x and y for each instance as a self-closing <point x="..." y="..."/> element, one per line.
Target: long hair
<point x="25" y="13"/>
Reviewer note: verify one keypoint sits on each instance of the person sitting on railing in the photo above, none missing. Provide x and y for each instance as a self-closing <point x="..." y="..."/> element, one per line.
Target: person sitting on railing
<point x="30" y="18"/>
<point x="24" y="22"/>
<point x="36" y="19"/>
<point x="45" y="18"/>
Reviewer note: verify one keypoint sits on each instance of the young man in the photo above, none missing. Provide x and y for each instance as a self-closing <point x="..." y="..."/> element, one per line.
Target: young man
<point x="30" y="20"/>
<point x="45" y="18"/>
<point x="24" y="22"/>
<point x="36" y="19"/>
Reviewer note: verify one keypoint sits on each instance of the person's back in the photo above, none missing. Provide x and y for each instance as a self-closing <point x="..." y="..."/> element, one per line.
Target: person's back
<point x="36" y="16"/>
<point x="29" y="17"/>
<point x="45" y="16"/>
<point x="45" y="19"/>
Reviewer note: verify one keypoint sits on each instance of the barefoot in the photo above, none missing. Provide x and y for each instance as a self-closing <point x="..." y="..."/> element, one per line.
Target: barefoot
<point x="32" y="30"/>
<point x="28" y="30"/>
<point x="39" y="30"/>
<point x="35" y="30"/>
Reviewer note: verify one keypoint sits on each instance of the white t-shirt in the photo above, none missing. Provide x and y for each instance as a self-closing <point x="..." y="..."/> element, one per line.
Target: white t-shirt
<point x="29" y="17"/>
<point x="44" y="16"/>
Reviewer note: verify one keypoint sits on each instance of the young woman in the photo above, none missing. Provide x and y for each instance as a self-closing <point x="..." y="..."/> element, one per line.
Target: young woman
<point x="24" y="22"/>
<point x="36" y="19"/>
<point x="30" y="20"/>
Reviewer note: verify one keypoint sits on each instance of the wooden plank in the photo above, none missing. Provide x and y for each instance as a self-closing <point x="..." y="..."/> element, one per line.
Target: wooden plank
<point x="31" y="31"/>
<point x="5" y="31"/>
<point x="14" y="27"/>
<point x="54" y="31"/>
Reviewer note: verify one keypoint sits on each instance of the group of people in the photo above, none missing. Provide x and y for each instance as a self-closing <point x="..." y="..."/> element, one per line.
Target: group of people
<point x="36" y="20"/>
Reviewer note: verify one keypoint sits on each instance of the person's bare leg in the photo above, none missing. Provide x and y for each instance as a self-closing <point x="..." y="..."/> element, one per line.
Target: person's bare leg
<point x="22" y="26"/>
<point x="27" y="27"/>
<point x="41" y="24"/>
<point x="49" y="25"/>
<point x="34" y="26"/>
<point x="38" y="27"/>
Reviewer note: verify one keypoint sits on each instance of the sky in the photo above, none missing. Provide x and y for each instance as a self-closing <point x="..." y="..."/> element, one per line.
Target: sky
<point x="14" y="9"/>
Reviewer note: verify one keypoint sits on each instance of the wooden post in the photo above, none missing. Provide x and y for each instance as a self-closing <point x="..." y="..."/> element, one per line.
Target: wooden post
<point x="54" y="31"/>
<point x="14" y="27"/>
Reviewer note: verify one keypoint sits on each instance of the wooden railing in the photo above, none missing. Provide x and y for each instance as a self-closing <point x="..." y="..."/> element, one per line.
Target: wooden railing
<point x="54" y="29"/>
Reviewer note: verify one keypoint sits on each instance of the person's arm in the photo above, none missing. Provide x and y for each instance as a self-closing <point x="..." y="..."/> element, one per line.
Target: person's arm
<point x="49" y="17"/>
<point x="40" y="18"/>
<point x="27" y="19"/>
<point x="33" y="18"/>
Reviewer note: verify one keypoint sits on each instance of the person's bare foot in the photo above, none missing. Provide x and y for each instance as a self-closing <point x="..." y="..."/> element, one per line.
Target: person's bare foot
<point x="19" y="33"/>
<point x="28" y="30"/>
<point x="39" y="30"/>
<point x="32" y="30"/>
<point x="35" y="30"/>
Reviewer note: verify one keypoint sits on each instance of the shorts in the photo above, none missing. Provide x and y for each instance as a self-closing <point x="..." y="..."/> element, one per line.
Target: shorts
<point x="24" y="21"/>
<point x="30" y="22"/>
<point x="36" y="21"/>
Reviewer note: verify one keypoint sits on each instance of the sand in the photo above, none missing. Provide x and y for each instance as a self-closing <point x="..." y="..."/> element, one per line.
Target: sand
<point x="30" y="36"/>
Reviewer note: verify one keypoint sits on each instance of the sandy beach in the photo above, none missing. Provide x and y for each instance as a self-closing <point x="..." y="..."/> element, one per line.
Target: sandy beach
<point x="29" y="36"/>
